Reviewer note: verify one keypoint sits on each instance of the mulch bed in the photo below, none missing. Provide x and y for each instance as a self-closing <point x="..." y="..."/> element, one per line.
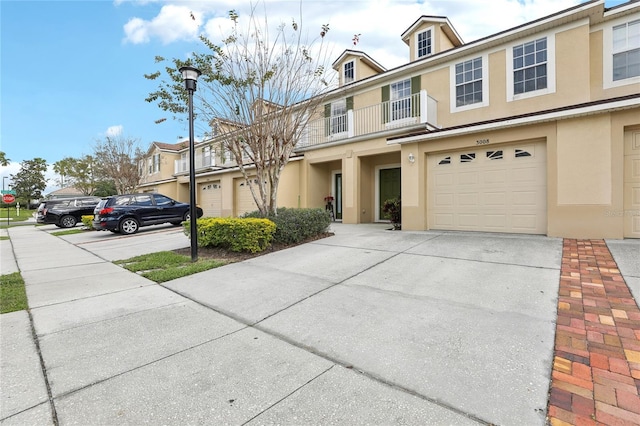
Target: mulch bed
<point x="229" y="256"/>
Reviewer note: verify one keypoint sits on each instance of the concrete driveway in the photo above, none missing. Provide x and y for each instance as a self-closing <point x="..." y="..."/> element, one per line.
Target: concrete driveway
<point x="464" y="321"/>
<point x="366" y="327"/>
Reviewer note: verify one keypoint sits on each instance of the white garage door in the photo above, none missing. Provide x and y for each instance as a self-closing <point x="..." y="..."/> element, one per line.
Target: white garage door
<point x="501" y="188"/>
<point x="210" y="199"/>
<point x="244" y="201"/>
<point x="632" y="184"/>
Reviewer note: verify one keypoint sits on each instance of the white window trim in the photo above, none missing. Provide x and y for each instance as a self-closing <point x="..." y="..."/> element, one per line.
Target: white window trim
<point x="344" y="66"/>
<point x="551" y="68"/>
<point x="342" y="103"/>
<point x="400" y="121"/>
<point x="485" y="85"/>
<point x="607" y="52"/>
<point x="431" y="35"/>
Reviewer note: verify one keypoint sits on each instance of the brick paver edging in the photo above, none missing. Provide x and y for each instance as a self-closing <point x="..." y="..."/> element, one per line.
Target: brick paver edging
<point x="596" y="365"/>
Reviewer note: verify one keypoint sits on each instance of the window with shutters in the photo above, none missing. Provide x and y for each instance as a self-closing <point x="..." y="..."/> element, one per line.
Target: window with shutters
<point x="400" y="100"/>
<point x="339" y="117"/>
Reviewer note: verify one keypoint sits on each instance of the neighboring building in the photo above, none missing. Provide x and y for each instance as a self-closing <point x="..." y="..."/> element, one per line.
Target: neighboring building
<point x="532" y="130"/>
<point x="66" y="192"/>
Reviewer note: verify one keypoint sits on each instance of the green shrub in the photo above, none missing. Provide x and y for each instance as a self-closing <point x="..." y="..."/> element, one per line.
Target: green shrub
<point x="236" y="234"/>
<point x="393" y="211"/>
<point x="296" y="225"/>
<point x="87" y="221"/>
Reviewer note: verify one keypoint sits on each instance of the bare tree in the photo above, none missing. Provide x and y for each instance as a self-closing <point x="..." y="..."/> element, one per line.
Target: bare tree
<point x="116" y="159"/>
<point x="259" y="90"/>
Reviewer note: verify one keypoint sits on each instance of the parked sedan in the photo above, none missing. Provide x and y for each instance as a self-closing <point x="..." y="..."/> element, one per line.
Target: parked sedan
<point x="127" y="213"/>
<point x="66" y="213"/>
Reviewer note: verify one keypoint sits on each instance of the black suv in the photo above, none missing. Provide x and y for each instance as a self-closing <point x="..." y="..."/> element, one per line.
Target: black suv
<point x="127" y="213"/>
<point x="65" y="212"/>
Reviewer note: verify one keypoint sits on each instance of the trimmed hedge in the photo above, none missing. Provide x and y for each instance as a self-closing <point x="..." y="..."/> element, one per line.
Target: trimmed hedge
<point x="296" y="225"/>
<point x="252" y="235"/>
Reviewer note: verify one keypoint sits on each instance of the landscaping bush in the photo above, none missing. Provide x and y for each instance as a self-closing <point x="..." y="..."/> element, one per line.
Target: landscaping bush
<point x="393" y="211"/>
<point x="252" y="235"/>
<point x="87" y="221"/>
<point x="296" y="225"/>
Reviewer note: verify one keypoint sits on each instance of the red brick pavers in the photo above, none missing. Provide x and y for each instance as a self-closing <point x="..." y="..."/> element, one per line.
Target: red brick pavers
<point x="596" y="366"/>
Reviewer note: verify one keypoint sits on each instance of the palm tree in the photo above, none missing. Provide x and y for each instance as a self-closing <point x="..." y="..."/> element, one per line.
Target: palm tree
<point x="3" y="160"/>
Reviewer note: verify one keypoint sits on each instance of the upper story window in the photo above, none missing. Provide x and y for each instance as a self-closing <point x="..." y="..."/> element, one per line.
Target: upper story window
<point x="154" y="164"/>
<point x="338" y="117"/>
<point x="349" y="72"/>
<point x="468" y="82"/>
<point x="401" y="100"/>
<point x="530" y="66"/>
<point x="626" y="50"/>
<point x="424" y="43"/>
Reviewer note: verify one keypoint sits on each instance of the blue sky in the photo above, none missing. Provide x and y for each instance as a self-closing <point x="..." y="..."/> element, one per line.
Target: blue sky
<point x="71" y="72"/>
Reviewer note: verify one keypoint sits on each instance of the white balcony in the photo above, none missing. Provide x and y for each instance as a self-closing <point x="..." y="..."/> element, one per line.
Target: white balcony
<point x="419" y="108"/>
<point x="202" y="162"/>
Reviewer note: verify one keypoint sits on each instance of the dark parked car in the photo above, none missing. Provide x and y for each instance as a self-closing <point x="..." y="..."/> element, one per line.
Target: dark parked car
<point x="65" y="212"/>
<point x="127" y="213"/>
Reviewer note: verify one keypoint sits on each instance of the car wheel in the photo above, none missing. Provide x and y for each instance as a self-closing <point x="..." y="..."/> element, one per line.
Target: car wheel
<point x="68" y="221"/>
<point x="187" y="216"/>
<point x="129" y="226"/>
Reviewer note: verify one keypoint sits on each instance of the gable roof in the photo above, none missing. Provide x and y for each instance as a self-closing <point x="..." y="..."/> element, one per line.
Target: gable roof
<point x="169" y="146"/>
<point x="363" y="57"/>
<point x="447" y="28"/>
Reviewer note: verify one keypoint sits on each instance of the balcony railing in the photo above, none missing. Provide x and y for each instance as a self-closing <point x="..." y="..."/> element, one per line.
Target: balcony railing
<point x="419" y="108"/>
<point x="182" y="165"/>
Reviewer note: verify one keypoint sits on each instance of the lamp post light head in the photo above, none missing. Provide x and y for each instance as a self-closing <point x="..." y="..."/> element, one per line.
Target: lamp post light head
<point x="190" y="76"/>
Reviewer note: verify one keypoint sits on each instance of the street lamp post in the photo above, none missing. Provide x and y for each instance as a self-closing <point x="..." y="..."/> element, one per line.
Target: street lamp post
<point x="190" y="76"/>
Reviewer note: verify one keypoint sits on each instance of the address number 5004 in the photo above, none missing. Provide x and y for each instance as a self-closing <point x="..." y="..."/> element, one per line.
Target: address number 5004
<point x="482" y="141"/>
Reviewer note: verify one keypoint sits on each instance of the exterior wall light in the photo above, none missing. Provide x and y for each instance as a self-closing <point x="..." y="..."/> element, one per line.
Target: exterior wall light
<point x="411" y="158"/>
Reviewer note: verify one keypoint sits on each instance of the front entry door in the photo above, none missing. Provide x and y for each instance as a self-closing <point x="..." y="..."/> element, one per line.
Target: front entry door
<point x="337" y="190"/>
<point x="389" y="187"/>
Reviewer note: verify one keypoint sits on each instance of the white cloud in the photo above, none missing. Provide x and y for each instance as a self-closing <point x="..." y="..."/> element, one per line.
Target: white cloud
<point x="379" y="23"/>
<point x="114" y="131"/>
<point x="173" y="23"/>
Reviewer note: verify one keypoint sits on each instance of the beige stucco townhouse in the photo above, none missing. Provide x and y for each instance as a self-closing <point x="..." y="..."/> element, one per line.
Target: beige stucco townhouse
<point x="532" y="130"/>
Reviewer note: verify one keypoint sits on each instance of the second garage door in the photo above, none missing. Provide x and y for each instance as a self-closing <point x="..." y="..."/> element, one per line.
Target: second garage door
<point x="244" y="201"/>
<point x="211" y="199"/>
<point x="502" y="188"/>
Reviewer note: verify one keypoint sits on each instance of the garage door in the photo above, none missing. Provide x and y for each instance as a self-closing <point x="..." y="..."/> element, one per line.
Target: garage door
<point x="632" y="184"/>
<point x="244" y="201"/>
<point x="500" y="188"/>
<point x="210" y="199"/>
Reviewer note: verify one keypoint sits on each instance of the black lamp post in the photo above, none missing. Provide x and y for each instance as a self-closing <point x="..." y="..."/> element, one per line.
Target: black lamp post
<point x="190" y="76"/>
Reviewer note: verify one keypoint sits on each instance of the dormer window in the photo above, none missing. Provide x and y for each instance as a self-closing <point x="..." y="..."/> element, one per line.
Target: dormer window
<point x="424" y="43"/>
<point x="349" y="72"/>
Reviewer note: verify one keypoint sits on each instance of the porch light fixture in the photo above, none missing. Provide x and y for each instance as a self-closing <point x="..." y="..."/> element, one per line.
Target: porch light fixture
<point x="190" y="76"/>
<point x="411" y="158"/>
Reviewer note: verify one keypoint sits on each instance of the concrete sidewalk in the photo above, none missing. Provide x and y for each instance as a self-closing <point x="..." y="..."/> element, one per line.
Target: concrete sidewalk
<point x="366" y="327"/>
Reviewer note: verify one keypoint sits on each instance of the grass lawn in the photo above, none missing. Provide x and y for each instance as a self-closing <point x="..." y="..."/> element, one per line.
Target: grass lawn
<point x="12" y="294"/>
<point x="68" y="232"/>
<point x="167" y="265"/>
<point x="14" y="217"/>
